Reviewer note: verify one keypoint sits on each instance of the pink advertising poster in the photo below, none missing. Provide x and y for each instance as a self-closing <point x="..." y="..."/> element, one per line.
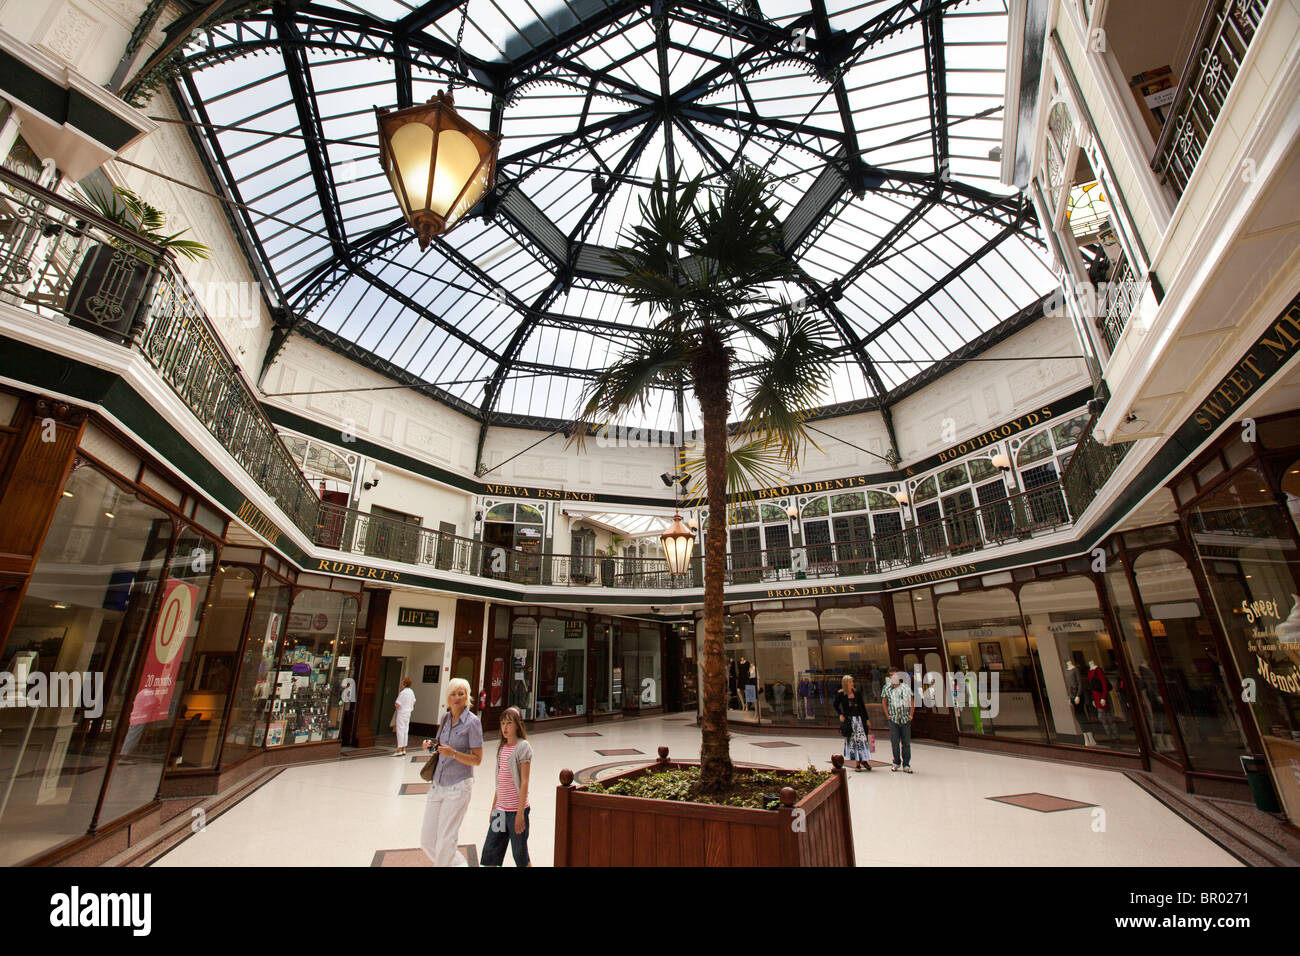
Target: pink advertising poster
<point x="163" y="660"/>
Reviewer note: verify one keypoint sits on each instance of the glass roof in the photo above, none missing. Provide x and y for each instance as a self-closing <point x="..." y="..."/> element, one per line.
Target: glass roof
<point x="876" y="118"/>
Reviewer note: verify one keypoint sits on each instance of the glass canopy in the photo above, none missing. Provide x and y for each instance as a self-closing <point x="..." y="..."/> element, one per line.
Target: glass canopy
<point x="876" y="118"/>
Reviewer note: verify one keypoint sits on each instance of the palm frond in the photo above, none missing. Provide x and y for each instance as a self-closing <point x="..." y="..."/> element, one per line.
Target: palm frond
<point x="753" y="463"/>
<point x="790" y="382"/>
<point x="657" y="361"/>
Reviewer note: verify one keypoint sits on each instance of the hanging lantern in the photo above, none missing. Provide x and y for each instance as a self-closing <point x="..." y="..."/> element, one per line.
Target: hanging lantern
<point x="437" y="164"/>
<point x="678" y="542"/>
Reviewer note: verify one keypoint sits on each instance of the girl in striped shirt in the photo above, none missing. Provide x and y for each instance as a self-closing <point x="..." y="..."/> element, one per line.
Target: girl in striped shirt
<point x="510" y="804"/>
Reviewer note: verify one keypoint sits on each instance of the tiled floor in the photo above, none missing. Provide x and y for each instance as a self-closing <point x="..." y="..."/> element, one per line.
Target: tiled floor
<point x="343" y="813"/>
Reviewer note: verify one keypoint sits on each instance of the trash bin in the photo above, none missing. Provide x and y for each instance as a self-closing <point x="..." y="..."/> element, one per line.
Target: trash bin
<point x="1261" y="787"/>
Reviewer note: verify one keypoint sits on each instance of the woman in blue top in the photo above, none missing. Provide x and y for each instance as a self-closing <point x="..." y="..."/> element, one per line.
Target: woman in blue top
<point x="460" y="750"/>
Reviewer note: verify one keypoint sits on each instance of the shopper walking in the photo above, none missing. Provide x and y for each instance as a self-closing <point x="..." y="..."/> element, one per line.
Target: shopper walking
<point x="404" y="705"/>
<point x="900" y="706"/>
<point x="509" y="819"/>
<point x="855" y="725"/>
<point x="460" y="750"/>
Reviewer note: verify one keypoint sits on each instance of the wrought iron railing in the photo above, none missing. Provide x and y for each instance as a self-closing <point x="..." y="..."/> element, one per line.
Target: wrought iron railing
<point x="1089" y="468"/>
<point x="59" y="259"/>
<point x="1123" y="292"/>
<point x="1225" y="34"/>
<point x="1017" y="517"/>
<point x="49" y="245"/>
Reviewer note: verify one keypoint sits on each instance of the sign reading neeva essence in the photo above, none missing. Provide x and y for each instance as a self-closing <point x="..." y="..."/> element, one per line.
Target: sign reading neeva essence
<point x="417" y="617"/>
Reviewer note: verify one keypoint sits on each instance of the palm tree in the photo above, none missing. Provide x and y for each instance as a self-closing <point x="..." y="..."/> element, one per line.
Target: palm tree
<point x="707" y="271"/>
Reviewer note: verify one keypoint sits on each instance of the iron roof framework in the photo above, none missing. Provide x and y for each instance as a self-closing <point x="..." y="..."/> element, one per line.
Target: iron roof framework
<point x="876" y="119"/>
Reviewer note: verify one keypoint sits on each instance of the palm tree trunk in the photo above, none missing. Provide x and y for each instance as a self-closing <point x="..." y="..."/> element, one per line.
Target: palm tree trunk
<point x="711" y="373"/>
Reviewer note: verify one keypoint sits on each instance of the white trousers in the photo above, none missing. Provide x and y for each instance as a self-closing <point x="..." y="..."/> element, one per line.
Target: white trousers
<point x="402" y="725"/>
<point x="443" y="813"/>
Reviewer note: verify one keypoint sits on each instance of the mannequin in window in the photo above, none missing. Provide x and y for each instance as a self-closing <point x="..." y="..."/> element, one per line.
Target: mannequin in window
<point x="1074" y="687"/>
<point x="1099" y="687"/>
<point x="751" y="686"/>
<point x="778" y="696"/>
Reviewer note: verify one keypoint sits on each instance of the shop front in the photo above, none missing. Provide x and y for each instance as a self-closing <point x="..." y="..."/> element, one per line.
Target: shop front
<point x="1240" y="504"/>
<point x="269" y="669"/>
<point x="97" y="636"/>
<point x="554" y="664"/>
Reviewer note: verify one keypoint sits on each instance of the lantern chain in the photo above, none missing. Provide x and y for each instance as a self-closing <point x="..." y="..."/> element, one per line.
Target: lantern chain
<point x="460" y="50"/>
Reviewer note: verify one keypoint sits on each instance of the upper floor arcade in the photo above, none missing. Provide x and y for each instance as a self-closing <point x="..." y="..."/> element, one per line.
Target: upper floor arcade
<point x="1161" y="141"/>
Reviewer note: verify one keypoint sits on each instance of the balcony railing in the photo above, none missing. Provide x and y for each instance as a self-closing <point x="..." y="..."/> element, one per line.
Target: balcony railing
<point x="61" y="260"/>
<point x="1089" y="468"/>
<point x="1018" y="517"/>
<point x="58" y="259"/>
<point x="1123" y="292"/>
<point x="1226" y="31"/>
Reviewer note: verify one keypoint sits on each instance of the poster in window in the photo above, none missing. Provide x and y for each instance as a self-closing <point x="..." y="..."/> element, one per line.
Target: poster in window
<point x="991" y="655"/>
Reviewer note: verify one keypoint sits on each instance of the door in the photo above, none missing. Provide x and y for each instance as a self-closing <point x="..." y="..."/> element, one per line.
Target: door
<point x="390" y="677"/>
<point x="333" y="517"/>
<point x="933" y="719"/>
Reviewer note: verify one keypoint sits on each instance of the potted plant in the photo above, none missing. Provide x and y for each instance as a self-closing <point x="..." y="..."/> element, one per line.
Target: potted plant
<point x="111" y="291"/>
<point x="705" y="268"/>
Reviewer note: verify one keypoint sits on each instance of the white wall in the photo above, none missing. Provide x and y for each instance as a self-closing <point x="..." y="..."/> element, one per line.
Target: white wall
<point x="974" y="396"/>
<point x="421" y="646"/>
<point x="428" y="697"/>
<point x="89" y="35"/>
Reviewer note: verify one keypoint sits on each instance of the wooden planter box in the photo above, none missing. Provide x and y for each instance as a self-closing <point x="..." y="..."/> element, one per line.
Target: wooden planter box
<point x="598" y="829"/>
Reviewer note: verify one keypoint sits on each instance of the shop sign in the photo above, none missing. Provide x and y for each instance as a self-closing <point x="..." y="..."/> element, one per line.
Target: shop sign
<point x="257" y="522"/>
<point x="939" y="575"/>
<point x="811" y="591"/>
<point x="542" y="494"/>
<point x="431" y="673"/>
<point x="1070" y="627"/>
<point x="573" y="630"/>
<point x="1270" y="352"/>
<point x="153" y="697"/>
<point x="1275" y="641"/>
<point x="417" y="617"/>
<point x="357" y="571"/>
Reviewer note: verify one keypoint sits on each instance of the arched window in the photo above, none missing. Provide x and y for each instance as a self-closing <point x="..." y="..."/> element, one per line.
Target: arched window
<point x="839" y="530"/>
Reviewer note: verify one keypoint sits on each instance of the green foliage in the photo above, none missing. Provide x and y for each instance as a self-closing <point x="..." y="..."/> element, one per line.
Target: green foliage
<point x="749" y="788"/>
<point x="128" y="211"/>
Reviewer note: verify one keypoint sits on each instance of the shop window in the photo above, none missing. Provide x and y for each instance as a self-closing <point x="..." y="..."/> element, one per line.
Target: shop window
<point x="523" y="664"/>
<point x="1188" y="661"/>
<point x="1247" y="547"/>
<point x="158" y="693"/>
<point x="250" y="709"/>
<point x="1089" y="702"/>
<point x="985" y="640"/>
<point x="853" y="644"/>
<point x="786" y="653"/>
<point x="85" y="612"/>
<point x="738" y="659"/>
<point x="650" y="677"/>
<point x="512" y="539"/>
<point x="561" y="669"/>
<point x="216" y="657"/>
<point x="601" y="667"/>
<point x="307" y="687"/>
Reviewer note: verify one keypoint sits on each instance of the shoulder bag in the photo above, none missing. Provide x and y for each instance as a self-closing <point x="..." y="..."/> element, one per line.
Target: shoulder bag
<point x="431" y="765"/>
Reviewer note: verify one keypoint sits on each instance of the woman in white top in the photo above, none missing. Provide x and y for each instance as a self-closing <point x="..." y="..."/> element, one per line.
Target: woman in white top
<point x="405" y="703"/>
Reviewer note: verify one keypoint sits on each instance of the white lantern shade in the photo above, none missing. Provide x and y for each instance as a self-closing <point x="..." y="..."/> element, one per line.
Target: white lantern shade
<point x="678" y="543"/>
<point x="1000" y="460"/>
<point x="437" y="164"/>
